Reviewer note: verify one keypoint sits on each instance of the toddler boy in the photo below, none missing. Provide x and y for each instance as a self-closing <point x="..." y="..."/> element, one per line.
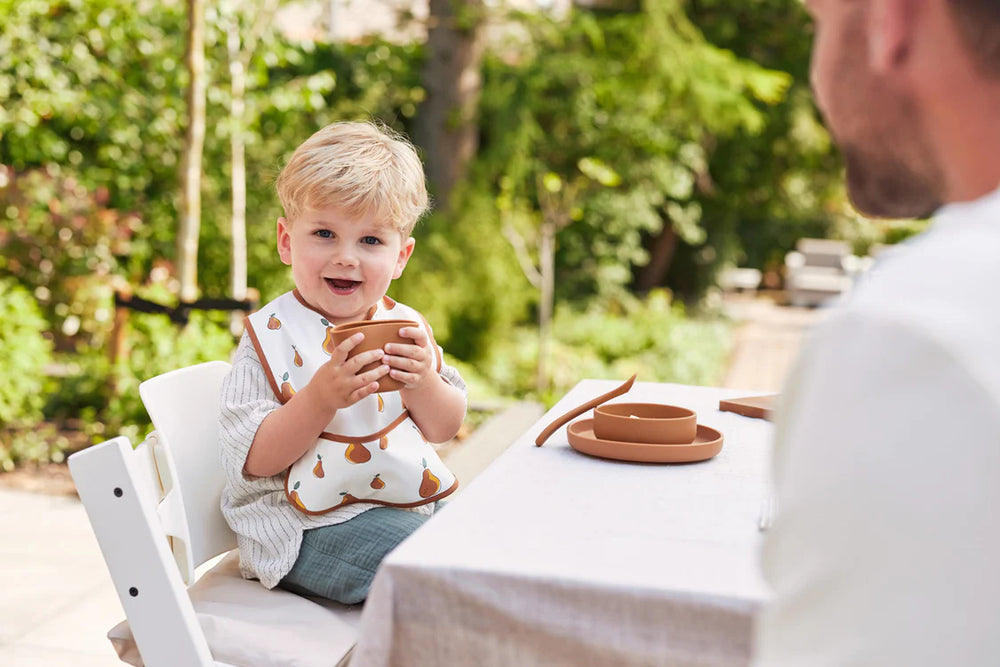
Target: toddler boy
<point x="325" y="475"/>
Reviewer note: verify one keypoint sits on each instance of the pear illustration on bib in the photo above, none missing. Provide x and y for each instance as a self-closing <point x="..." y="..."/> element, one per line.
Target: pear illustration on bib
<point x="318" y="468"/>
<point x="346" y="499"/>
<point x="357" y="453"/>
<point x="377" y="483"/>
<point x="273" y="322"/>
<point x="286" y="388"/>
<point x="429" y="484"/>
<point x="328" y="343"/>
<point x="297" y="360"/>
<point x="293" y="495"/>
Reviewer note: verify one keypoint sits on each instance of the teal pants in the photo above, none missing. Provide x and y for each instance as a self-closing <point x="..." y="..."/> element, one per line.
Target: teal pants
<point x="339" y="562"/>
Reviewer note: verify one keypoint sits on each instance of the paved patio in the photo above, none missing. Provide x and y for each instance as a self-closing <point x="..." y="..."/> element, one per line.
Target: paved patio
<point x="767" y="341"/>
<point x="58" y="601"/>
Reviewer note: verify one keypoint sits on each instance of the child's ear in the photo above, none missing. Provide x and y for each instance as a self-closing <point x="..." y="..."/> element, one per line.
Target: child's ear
<point x="284" y="242"/>
<point x="404" y="256"/>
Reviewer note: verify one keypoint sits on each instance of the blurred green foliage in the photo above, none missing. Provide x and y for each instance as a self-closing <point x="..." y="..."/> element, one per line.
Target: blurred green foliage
<point x="26" y="353"/>
<point x="652" y="337"/>
<point x="690" y="116"/>
<point x="640" y="93"/>
<point x="63" y="241"/>
<point x="92" y="117"/>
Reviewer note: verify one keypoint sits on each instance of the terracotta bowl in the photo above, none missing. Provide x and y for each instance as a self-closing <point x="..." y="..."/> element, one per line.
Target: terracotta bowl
<point x="377" y="334"/>
<point x="653" y="423"/>
<point x="706" y="444"/>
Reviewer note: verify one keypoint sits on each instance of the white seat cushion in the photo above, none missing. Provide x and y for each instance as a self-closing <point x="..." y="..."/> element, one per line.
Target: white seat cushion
<point x="246" y="624"/>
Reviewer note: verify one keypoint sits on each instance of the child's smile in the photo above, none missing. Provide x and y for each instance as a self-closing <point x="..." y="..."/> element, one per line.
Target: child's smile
<point x="342" y="287"/>
<point x="342" y="263"/>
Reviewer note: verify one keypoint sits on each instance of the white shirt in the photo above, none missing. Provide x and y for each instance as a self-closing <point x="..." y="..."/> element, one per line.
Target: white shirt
<point x="886" y="546"/>
<point x="268" y="529"/>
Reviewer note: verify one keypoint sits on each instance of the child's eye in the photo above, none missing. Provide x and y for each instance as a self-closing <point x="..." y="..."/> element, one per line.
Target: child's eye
<point x="324" y="233"/>
<point x="371" y="240"/>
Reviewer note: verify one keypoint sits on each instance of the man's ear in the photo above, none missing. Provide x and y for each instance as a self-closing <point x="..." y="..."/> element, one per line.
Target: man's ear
<point x="890" y="33"/>
<point x="284" y="242"/>
<point x="404" y="256"/>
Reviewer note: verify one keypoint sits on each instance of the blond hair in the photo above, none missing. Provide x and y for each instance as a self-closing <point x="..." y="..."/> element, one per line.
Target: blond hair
<point x="360" y="167"/>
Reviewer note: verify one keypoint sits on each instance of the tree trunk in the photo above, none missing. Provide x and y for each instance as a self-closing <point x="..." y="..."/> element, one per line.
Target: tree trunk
<point x="546" y="305"/>
<point x="237" y="146"/>
<point x="194" y="140"/>
<point x="661" y="253"/>
<point x="446" y="123"/>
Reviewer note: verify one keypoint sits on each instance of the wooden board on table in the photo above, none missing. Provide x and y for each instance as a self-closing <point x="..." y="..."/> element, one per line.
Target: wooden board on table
<point x="759" y="407"/>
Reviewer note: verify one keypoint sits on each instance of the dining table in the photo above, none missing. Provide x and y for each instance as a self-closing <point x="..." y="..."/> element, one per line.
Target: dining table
<point x="558" y="558"/>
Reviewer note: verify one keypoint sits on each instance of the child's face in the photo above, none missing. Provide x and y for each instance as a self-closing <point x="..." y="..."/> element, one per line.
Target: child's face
<point x="342" y="264"/>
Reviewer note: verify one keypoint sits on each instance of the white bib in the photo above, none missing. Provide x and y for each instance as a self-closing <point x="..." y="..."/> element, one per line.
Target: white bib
<point x="371" y="451"/>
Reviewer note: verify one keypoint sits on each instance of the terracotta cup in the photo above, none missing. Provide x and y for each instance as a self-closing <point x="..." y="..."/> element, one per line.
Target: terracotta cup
<point x="654" y="423"/>
<point x="377" y="334"/>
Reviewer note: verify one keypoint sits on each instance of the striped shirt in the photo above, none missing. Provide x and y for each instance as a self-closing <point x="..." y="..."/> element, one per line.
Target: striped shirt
<point x="268" y="528"/>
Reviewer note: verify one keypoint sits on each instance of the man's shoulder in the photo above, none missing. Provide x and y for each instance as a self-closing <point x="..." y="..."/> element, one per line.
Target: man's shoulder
<point x="934" y="295"/>
<point x="942" y="278"/>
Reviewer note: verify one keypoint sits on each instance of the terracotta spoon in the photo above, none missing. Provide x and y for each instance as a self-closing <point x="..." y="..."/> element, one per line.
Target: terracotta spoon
<point x="577" y="411"/>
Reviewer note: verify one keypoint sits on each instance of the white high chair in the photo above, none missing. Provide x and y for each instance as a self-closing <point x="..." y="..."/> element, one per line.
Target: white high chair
<point x="155" y="511"/>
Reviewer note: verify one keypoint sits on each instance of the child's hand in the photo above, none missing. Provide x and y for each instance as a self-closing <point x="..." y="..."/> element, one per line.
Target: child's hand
<point x="337" y="382"/>
<point x="411" y="364"/>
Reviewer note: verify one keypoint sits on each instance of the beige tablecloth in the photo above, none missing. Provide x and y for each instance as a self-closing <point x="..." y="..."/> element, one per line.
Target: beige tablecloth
<point x="552" y="557"/>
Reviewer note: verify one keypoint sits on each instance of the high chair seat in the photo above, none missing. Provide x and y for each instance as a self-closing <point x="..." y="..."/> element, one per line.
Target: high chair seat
<point x="155" y="512"/>
<point x="246" y="624"/>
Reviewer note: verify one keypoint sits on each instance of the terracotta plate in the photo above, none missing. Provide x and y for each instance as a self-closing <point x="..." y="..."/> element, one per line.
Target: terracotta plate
<point x="581" y="436"/>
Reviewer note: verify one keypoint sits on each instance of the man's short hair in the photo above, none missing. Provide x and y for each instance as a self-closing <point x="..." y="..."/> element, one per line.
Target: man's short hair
<point x="361" y="167"/>
<point x="979" y="25"/>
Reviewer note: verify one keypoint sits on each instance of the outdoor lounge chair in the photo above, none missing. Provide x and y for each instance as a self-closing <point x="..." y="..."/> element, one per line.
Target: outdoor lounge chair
<point x="819" y="270"/>
<point x="155" y="511"/>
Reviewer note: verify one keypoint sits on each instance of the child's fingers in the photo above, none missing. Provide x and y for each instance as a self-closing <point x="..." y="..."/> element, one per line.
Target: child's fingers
<point x="414" y="350"/>
<point x="338" y="367"/>
<point x="362" y="359"/>
<point x="366" y="390"/>
<point x="341" y="351"/>
<point x="410" y="364"/>
<point x="408" y="379"/>
<point x="418" y="335"/>
<point x="373" y="375"/>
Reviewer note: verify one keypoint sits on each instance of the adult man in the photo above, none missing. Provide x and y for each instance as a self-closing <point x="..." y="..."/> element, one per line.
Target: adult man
<point x="886" y="546"/>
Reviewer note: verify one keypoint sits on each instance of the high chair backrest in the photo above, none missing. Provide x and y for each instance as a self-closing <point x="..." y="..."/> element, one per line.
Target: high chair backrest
<point x="184" y="407"/>
<point x="155" y="511"/>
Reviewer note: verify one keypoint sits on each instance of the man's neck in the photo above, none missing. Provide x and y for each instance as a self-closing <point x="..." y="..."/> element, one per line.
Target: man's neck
<point x="961" y="107"/>
<point x="969" y="146"/>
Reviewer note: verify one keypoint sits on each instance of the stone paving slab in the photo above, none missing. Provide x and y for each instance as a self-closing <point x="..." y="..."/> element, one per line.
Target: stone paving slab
<point x="58" y="601"/>
<point x="767" y="341"/>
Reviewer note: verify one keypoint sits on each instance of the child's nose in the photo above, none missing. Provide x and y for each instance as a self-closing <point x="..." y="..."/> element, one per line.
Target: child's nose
<point x="346" y="257"/>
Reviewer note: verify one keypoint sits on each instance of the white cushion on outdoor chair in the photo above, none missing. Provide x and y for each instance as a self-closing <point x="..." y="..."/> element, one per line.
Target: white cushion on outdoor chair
<point x="246" y="624"/>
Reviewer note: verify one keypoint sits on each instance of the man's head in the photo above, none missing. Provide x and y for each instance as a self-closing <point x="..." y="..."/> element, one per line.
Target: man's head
<point x="362" y="169"/>
<point x="870" y="66"/>
<point x="978" y="23"/>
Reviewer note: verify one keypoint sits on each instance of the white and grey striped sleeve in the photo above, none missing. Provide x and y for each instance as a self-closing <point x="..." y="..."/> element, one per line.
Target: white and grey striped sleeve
<point x="451" y="375"/>
<point x="246" y="399"/>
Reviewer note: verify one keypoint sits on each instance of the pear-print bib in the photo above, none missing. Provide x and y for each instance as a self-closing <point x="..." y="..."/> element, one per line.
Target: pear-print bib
<point x="371" y="451"/>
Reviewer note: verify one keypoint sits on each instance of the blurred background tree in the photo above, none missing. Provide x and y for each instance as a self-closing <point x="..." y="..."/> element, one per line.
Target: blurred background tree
<point x="594" y="169"/>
